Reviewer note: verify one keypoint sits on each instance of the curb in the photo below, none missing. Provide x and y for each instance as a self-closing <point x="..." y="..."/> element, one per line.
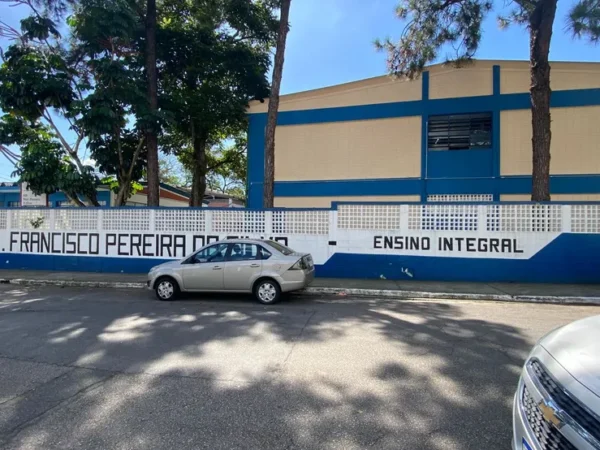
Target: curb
<point x="342" y="292"/>
<point x="412" y="295"/>
<point x="68" y="283"/>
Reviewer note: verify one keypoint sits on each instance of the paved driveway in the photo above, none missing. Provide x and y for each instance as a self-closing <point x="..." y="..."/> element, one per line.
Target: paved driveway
<point x="107" y="369"/>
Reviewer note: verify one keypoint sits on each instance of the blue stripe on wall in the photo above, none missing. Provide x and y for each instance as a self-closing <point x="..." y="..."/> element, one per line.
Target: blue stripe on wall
<point x="79" y="263"/>
<point x="346" y="113"/>
<point x="424" y="131"/>
<point x="401" y="186"/>
<point x="496" y="144"/>
<point x="256" y="159"/>
<point x="559" y="184"/>
<point x="570" y="258"/>
<point x="460" y="163"/>
<point x="560" y="99"/>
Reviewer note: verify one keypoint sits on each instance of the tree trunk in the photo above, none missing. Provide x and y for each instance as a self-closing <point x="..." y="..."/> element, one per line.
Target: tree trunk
<point x="121" y="198"/>
<point x="269" y="182"/>
<point x="540" y="28"/>
<point x="126" y="174"/>
<point x="74" y="199"/>
<point x="151" y="135"/>
<point x="199" y="140"/>
<point x="93" y="198"/>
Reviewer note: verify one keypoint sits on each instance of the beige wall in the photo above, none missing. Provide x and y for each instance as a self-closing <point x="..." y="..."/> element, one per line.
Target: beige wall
<point x="473" y="80"/>
<point x="575" y="141"/>
<point x="366" y="92"/>
<point x="555" y="197"/>
<point x="444" y="82"/>
<point x="514" y="76"/>
<point x="325" y="202"/>
<point x="387" y="148"/>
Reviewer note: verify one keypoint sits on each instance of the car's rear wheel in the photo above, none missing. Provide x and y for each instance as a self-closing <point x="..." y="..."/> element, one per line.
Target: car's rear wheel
<point x="267" y="291"/>
<point x="166" y="289"/>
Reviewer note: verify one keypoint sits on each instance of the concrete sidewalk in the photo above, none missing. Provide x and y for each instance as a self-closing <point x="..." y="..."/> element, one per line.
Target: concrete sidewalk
<point x="522" y="292"/>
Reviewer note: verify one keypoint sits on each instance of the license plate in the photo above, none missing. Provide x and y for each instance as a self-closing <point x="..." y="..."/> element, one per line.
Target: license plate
<point x="526" y="446"/>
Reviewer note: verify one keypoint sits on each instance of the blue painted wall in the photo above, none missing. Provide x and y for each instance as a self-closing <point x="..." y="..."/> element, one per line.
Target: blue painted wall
<point x="8" y="194"/>
<point x="460" y="163"/>
<point x="55" y="200"/>
<point x="455" y="172"/>
<point x="570" y="258"/>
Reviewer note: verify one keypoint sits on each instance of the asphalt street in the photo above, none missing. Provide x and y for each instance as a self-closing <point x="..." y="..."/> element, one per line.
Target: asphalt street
<point x="116" y="369"/>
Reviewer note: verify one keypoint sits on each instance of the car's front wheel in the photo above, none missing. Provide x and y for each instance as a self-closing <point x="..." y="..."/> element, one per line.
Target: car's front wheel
<point x="166" y="289"/>
<point x="267" y="291"/>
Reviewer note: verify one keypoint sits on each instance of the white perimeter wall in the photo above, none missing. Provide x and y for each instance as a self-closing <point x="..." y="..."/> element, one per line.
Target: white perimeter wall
<point x="459" y="230"/>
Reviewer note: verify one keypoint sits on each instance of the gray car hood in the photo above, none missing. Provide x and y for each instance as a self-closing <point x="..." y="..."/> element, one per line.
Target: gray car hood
<point x="576" y="347"/>
<point x="168" y="264"/>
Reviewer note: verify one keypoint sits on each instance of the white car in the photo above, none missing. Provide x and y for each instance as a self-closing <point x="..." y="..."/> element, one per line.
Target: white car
<point x="557" y="404"/>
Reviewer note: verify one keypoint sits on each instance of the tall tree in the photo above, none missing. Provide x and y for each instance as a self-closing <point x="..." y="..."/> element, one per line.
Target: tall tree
<point x="95" y="83"/>
<point x="269" y="183"/>
<point x="151" y="134"/>
<point x="434" y="25"/>
<point x="214" y="58"/>
<point x="37" y="85"/>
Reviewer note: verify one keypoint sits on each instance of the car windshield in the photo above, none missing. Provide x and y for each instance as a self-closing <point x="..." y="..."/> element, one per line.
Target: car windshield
<point x="280" y="248"/>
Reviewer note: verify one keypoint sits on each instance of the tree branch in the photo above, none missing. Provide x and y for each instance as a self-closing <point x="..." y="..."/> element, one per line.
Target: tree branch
<point x="48" y="117"/>
<point x="74" y="199"/>
<point x="119" y="151"/>
<point x="78" y="143"/>
<point x="9" y="32"/>
<point x="226" y="160"/>
<point x="136" y="155"/>
<point x="448" y="3"/>
<point x="67" y="147"/>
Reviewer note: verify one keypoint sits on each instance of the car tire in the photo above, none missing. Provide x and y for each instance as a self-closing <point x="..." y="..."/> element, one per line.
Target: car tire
<point x="166" y="289"/>
<point x="267" y="291"/>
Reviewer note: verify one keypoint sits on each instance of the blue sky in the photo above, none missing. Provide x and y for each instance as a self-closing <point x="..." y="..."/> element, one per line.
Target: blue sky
<point x="331" y="42"/>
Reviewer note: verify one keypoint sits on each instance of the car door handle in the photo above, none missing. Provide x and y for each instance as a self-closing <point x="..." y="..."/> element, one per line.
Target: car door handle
<point x="216" y="268"/>
<point x="254" y="265"/>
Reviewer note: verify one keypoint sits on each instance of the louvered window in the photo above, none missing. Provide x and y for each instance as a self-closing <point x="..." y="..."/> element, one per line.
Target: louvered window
<point x="460" y="132"/>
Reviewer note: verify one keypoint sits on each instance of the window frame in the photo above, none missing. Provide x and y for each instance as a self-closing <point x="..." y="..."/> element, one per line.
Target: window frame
<point x="484" y="117"/>
<point x="262" y="249"/>
<point x="233" y="244"/>
<point x="192" y="259"/>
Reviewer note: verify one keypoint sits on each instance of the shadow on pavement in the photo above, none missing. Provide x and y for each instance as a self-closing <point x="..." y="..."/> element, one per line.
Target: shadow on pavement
<point x="197" y="374"/>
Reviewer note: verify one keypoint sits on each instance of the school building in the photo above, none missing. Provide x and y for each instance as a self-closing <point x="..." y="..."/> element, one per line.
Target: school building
<point x="11" y="196"/>
<point x="452" y="134"/>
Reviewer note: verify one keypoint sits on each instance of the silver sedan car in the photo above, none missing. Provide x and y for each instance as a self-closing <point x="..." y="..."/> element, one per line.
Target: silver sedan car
<point x="557" y="404"/>
<point x="264" y="268"/>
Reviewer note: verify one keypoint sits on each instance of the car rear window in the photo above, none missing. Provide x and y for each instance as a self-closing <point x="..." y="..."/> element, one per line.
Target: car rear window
<point x="280" y="248"/>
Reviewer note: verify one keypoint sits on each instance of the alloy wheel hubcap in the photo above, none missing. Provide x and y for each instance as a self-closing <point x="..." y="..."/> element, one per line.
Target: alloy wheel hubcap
<point x="267" y="292"/>
<point x="165" y="289"/>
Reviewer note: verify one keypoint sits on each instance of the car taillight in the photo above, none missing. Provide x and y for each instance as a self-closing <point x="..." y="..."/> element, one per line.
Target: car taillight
<point x="300" y="265"/>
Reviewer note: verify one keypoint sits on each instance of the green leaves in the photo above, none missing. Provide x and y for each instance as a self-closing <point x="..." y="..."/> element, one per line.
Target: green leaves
<point x="584" y="20"/>
<point x="432" y="26"/>
<point x="46" y="167"/>
<point x="31" y="81"/>
<point x="105" y="26"/>
<point x="213" y="57"/>
<point x="37" y="27"/>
